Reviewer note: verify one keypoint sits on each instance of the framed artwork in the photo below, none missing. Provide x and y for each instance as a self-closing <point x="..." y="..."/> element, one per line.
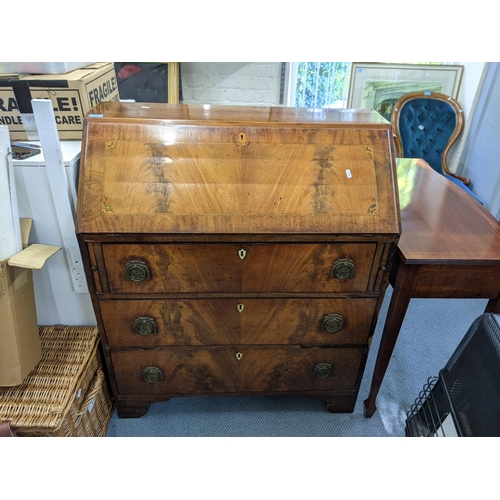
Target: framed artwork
<point x="378" y="86"/>
<point x="148" y="82"/>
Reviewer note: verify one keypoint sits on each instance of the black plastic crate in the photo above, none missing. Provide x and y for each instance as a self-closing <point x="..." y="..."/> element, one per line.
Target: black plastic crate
<point x="465" y="399"/>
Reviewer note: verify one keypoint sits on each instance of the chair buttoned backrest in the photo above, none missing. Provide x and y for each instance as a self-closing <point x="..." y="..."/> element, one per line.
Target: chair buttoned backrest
<point x="426" y="124"/>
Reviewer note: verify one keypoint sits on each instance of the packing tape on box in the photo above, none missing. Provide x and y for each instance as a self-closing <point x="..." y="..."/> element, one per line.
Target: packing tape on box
<point x="22" y="94"/>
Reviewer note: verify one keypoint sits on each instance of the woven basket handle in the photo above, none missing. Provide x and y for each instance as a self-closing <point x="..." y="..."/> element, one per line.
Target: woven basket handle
<point x="98" y="381"/>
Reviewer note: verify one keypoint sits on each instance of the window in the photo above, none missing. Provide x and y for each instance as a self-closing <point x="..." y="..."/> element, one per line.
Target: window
<point x="319" y="84"/>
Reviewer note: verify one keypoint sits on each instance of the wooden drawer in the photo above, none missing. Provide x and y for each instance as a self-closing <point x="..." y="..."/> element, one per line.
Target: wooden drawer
<point x="232" y="268"/>
<point x="218" y="370"/>
<point x="156" y="323"/>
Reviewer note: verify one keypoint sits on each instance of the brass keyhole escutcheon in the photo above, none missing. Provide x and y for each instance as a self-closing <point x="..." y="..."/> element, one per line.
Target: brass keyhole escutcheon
<point x="239" y="355"/>
<point x="333" y="323"/>
<point x="242" y="138"/>
<point x="137" y="270"/>
<point x="152" y="374"/>
<point x="343" y="269"/>
<point x="323" y="370"/>
<point x="242" y="253"/>
<point x="240" y="307"/>
<point x="144" y="325"/>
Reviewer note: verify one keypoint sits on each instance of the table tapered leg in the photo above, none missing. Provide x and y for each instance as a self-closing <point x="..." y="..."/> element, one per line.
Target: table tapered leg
<point x="401" y="295"/>
<point x="493" y="306"/>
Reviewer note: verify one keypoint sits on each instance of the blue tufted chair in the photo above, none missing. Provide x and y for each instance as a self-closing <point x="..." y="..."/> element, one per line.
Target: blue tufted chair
<point x="426" y="125"/>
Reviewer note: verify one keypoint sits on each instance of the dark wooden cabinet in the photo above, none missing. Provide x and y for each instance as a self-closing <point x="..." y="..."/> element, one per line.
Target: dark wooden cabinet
<point x="236" y="250"/>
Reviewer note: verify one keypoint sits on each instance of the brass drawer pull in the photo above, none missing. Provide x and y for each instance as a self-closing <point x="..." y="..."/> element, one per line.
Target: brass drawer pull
<point x="137" y="270"/>
<point x="152" y="374"/>
<point x="343" y="269"/>
<point x="323" y="370"/>
<point x="333" y="323"/>
<point x="144" y="325"/>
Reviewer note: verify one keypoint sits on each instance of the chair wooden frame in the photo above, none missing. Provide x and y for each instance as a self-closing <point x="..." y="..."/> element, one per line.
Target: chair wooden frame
<point x="456" y="133"/>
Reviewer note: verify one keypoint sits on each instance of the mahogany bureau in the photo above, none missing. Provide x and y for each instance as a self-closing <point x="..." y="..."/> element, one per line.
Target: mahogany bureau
<point x="236" y="250"/>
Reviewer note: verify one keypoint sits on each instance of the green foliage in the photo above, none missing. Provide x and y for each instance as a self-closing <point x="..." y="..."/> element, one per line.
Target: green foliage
<point x="320" y="84"/>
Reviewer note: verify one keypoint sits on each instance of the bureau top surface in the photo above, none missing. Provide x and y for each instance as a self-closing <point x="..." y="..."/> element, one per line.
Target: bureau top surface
<point x="195" y="169"/>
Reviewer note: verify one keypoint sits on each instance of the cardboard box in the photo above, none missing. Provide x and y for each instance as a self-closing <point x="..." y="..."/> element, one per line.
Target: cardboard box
<point x="41" y="68"/>
<point x="19" y="339"/>
<point x="73" y="95"/>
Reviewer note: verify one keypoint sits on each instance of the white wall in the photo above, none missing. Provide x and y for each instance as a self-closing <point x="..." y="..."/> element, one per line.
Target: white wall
<point x="480" y="159"/>
<point x="468" y="96"/>
<point x="256" y="83"/>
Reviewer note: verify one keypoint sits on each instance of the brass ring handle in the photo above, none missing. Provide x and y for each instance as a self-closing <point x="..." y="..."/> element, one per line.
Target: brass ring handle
<point x="323" y="370"/>
<point x="144" y="325"/>
<point x="152" y="374"/>
<point x="343" y="269"/>
<point x="137" y="270"/>
<point x="333" y="323"/>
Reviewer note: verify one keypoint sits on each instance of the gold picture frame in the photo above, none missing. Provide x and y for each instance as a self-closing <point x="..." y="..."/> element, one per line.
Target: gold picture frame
<point x="379" y="85"/>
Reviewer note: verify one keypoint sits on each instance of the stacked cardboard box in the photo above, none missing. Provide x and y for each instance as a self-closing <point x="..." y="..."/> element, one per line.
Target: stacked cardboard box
<point x="19" y="339"/>
<point x="73" y="95"/>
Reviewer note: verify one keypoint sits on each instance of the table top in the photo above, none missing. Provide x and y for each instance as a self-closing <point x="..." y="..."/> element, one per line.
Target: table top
<point x="441" y="223"/>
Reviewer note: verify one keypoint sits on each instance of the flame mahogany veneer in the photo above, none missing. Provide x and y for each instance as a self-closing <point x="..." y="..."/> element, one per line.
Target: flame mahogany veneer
<point x="236" y="250"/>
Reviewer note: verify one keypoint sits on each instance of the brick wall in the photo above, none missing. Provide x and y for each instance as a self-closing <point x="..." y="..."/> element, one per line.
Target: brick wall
<point x="256" y="83"/>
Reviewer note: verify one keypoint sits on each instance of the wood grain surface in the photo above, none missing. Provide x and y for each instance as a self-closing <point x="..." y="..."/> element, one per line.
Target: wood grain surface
<point x="195" y="268"/>
<point x="211" y="371"/>
<point x="237" y="321"/>
<point x="441" y="223"/>
<point x="184" y="170"/>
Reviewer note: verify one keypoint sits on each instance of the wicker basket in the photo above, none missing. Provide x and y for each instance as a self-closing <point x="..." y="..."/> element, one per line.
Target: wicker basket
<point x="66" y="394"/>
